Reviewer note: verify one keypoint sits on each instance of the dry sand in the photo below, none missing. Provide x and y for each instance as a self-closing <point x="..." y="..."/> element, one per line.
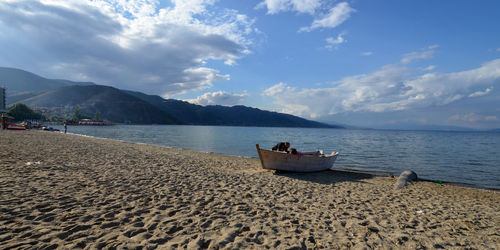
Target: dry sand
<point x="68" y="191"/>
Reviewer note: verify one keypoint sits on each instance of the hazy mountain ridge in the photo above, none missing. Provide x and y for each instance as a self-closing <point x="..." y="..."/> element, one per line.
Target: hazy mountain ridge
<point x="16" y="97"/>
<point x="423" y="127"/>
<point x="134" y="107"/>
<point x="112" y="103"/>
<point x="230" y="116"/>
<point x="21" y="81"/>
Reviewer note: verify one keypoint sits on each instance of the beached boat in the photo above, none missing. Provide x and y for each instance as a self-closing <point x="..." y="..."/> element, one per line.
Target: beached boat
<point x="16" y="126"/>
<point x="304" y="162"/>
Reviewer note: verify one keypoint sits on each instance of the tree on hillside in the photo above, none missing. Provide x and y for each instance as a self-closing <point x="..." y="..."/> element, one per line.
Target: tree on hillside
<point x="97" y="116"/>
<point x="76" y="115"/>
<point x="21" y="112"/>
<point x="56" y="118"/>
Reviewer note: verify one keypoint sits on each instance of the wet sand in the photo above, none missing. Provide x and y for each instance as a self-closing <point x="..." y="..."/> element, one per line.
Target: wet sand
<point x="69" y="191"/>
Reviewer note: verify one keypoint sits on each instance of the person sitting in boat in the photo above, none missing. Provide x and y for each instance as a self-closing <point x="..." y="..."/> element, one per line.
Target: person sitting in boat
<point x="282" y="146"/>
<point x="294" y="151"/>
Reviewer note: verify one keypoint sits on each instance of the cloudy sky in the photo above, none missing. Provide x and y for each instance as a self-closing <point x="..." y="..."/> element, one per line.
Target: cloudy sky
<point x="362" y="62"/>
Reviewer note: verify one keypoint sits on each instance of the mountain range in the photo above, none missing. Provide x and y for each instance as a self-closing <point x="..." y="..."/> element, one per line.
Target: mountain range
<point x="61" y="97"/>
<point x="19" y="81"/>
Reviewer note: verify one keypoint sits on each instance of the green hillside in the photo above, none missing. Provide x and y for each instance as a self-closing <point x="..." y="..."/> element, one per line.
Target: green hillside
<point x="113" y="104"/>
<point x="229" y="116"/>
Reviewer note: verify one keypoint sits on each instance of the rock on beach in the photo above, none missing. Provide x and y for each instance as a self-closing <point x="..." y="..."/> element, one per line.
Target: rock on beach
<point x="405" y="177"/>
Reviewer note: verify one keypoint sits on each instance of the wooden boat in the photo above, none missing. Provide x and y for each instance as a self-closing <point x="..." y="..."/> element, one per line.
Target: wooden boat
<point x="305" y="162"/>
<point x="16" y="126"/>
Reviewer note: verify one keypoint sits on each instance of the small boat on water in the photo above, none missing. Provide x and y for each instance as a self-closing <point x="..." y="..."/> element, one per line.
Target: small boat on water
<point x="304" y="162"/>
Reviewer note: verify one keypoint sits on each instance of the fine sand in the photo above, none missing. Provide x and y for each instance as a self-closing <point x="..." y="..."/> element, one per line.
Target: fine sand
<point x="69" y="191"/>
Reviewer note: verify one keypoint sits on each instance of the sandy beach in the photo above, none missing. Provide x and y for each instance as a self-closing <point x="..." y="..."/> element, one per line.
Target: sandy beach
<point x="69" y="191"/>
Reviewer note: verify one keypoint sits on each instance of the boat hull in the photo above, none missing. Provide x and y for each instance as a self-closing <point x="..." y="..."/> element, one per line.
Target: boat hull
<point x="16" y="126"/>
<point x="295" y="163"/>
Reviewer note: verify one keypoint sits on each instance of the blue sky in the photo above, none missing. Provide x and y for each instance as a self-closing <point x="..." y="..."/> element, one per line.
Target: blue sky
<point x="383" y="64"/>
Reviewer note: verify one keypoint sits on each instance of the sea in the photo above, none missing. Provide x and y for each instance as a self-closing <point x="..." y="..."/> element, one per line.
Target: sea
<point x="470" y="158"/>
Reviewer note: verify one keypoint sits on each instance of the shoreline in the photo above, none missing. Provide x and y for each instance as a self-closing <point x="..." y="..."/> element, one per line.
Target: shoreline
<point x="390" y="174"/>
<point x="89" y="192"/>
<point x="374" y="172"/>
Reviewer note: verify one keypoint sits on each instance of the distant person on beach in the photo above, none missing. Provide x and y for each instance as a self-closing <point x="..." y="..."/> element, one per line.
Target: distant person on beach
<point x="282" y="146"/>
<point x="65" y="127"/>
<point x="4" y="121"/>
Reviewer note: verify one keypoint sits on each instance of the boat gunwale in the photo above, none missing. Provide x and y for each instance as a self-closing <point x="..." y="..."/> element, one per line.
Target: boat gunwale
<point x="320" y="159"/>
<point x="333" y="153"/>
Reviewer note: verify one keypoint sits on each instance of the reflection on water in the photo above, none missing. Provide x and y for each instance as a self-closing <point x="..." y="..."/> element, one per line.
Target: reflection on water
<point x="465" y="157"/>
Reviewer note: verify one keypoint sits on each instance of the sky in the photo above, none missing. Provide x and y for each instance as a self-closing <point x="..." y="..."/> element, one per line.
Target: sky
<point x="366" y="63"/>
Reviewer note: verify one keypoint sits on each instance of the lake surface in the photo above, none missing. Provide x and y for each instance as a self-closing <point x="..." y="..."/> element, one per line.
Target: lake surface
<point x="464" y="157"/>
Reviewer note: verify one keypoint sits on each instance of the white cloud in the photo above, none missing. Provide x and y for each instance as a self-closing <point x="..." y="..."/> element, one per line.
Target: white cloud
<point x="392" y="88"/>
<point x="332" y="43"/>
<point x="301" y="6"/>
<point x="218" y="98"/>
<point x="446" y="86"/>
<point x="325" y="16"/>
<point x="368" y="53"/>
<point x="481" y="93"/>
<point x="128" y="44"/>
<point x="429" y="68"/>
<point x="196" y="79"/>
<point x="280" y="88"/>
<point x="336" y="16"/>
<point x="426" y="54"/>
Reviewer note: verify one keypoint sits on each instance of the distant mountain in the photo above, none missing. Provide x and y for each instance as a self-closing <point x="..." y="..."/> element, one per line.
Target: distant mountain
<point x="194" y="114"/>
<point x="113" y="104"/>
<point x="16" y="97"/>
<point x="423" y="127"/>
<point x="60" y="97"/>
<point x="19" y="81"/>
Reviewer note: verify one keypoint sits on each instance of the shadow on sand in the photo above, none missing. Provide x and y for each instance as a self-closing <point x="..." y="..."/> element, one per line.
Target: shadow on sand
<point x="332" y="176"/>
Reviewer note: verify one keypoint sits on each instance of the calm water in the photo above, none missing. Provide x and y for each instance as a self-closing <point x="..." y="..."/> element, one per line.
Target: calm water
<point x="465" y="157"/>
